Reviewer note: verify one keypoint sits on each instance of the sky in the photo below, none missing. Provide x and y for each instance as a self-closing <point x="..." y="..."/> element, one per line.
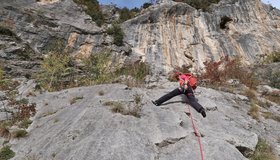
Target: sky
<point x="274" y="3"/>
<point x="138" y="3"/>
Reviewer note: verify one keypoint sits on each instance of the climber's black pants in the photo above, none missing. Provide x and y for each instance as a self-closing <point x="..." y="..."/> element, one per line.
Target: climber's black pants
<point x="189" y="93"/>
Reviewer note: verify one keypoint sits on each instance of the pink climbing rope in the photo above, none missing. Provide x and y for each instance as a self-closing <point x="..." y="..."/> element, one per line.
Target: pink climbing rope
<point x="196" y="133"/>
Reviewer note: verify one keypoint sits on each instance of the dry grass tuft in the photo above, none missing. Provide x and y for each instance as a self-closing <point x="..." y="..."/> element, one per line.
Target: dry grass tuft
<point x="263" y="151"/>
<point x="254" y="111"/>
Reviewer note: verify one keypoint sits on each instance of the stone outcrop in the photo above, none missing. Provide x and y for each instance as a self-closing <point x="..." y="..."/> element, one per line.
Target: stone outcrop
<point x="87" y="128"/>
<point x="174" y="34"/>
<point x="167" y="34"/>
<point x="17" y="58"/>
<point x="46" y="26"/>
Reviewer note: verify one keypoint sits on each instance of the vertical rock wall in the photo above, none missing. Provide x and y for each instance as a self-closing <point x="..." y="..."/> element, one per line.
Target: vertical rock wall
<point x="174" y="34"/>
<point x="49" y="25"/>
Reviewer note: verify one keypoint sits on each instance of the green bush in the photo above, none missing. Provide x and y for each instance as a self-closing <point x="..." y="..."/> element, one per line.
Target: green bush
<point x="54" y="68"/>
<point x="134" y="11"/>
<point x="146" y="5"/>
<point x="133" y="74"/>
<point x="97" y="68"/>
<point x="59" y="72"/>
<point x="116" y="31"/>
<point x="138" y="70"/>
<point x="263" y="151"/>
<point x="126" y="14"/>
<point x="25" y="123"/>
<point x="6" y="153"/>
<point x="199" y="4"/>
<point x="273" y="57"/>
<point x="92" y="8"/>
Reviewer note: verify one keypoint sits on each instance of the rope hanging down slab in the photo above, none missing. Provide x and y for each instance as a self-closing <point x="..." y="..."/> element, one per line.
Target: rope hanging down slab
<point x="197" y="135"/>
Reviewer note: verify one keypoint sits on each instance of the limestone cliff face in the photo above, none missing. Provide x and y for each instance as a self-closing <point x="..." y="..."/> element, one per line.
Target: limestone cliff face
<point x="166" y="35"/>
<point x="45" y="25"/>
<point x="173" y="34"/>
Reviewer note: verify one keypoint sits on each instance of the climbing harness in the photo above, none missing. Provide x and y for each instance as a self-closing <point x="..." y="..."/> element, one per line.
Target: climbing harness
<point x="196" y="133"/>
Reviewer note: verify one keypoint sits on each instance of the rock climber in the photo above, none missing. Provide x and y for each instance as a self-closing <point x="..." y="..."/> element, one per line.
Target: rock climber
<point x="188" y="84"/>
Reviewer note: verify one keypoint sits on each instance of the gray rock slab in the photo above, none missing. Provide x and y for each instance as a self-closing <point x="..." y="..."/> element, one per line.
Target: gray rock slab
<point x="88" y="129"/>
